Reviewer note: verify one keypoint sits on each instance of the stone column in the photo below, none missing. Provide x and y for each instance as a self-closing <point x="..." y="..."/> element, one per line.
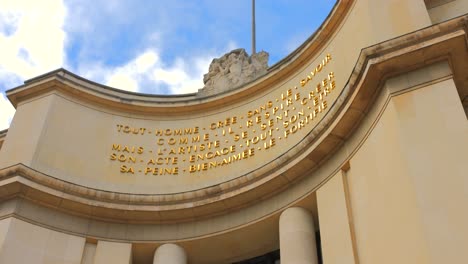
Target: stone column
<point x="297" y="237"/>
<point x="170" y="254"/>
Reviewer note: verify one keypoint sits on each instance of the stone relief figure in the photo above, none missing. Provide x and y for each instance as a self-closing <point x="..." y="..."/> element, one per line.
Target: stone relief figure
<point x="233" y="70"/>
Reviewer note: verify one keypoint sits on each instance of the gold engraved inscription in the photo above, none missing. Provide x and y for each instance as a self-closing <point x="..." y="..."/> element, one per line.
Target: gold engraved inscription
<point x="227" y="141"/>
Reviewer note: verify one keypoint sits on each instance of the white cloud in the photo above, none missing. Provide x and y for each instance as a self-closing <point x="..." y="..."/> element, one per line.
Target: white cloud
<point x="31" y="43"/>
<point x="178" y="78"/>
<point x="183" y="75"/>
<point x="6" y="113"/>
<point x="186" y="75"/>
<point x="31" y="37"/>
<point x="128" y="76"/>
<point x="123" y="81"/>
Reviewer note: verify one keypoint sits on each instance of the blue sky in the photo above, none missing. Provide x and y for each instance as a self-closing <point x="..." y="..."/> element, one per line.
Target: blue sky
<point x="161" y="47"/>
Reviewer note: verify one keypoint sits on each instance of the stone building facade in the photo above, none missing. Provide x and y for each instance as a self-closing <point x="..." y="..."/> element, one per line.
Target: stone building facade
<point x="350" y="150"/>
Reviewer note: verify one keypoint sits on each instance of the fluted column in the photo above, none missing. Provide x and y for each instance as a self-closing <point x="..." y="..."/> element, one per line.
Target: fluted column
<point x="297" y="237"/>
<point x="170" y="254"/>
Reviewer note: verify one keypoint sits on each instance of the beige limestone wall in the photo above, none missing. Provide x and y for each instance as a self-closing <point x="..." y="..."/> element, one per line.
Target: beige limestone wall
<point x="113" y="252"/>
<point x="407" y="176"/>
<point x="3" y="134"/>
<point x="435" y="145"/>
<point x="89" y="252"/>
<point x="335" y="222"/>
<point x="446" y="10"/>
<point x="382" y="200"/>
<point x="27" y="243"/>
<point x="4" y="226"/>
<point x="394" y="18"/>
<point x="25" y="132"/>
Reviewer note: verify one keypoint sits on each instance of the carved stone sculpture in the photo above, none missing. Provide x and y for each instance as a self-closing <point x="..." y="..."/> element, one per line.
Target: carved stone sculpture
<point x="234" y="69"/>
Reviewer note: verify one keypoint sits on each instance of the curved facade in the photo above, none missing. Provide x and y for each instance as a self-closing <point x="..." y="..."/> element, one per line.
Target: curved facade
<point x="350" y="150"/>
